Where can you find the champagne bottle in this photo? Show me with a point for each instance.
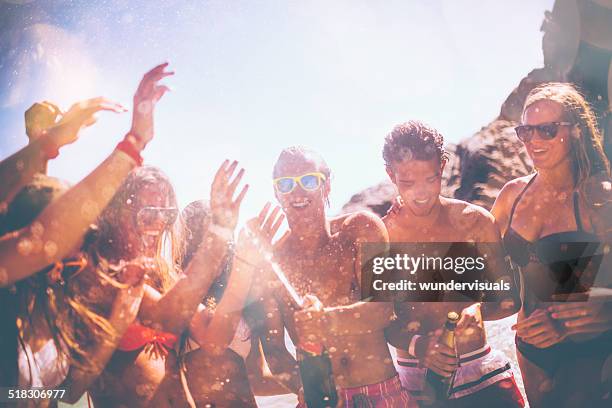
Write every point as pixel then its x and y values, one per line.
pixel 317 377
pixel 443 385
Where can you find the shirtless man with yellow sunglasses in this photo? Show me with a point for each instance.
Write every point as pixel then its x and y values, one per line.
pixel 325 268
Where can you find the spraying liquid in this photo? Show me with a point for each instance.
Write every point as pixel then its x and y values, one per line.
pixel 313 360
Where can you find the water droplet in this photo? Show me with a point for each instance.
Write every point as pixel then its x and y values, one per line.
pixel 3 276
pixel 24 246
pixel 89 208
pixel 546 386
pixel 37 229
pixel 142 390
pixel 507 304
pixel 50 249
pixel 413 326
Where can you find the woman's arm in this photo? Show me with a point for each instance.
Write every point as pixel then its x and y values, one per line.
pixel 219 331
pixel 18 170
pixel 174 310
pixel 66 219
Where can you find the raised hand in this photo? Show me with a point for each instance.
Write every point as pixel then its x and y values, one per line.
pixel 224 208
pixel 80 115
pixel 40 116
pixel 255 240
pixel 266 224
pixel 148 93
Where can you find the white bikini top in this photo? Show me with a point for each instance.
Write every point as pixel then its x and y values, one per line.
pixel 47 368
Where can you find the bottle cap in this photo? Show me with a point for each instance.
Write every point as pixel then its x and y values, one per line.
pixel 453 317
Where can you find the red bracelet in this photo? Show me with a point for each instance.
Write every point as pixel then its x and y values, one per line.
pixel 135 136
pixel 129 149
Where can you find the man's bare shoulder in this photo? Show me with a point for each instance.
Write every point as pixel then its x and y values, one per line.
pixel 364 226
pixel 465 216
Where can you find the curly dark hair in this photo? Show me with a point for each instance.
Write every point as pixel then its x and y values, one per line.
pixel 414 140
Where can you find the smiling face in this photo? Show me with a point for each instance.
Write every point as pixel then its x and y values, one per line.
pixel 152 210
pixel 547 154
pixel 418 182
pixel 300 205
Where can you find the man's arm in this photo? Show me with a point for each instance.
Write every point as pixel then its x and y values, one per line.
pixel 370 237
pixel 498 268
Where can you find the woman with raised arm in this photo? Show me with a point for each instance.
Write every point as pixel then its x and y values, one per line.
pixel 556 224
pixel 51 337
pixel 63 223
pixel 146 368
pixel 224 335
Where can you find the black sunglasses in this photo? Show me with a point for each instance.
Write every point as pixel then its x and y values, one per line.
pixel 546 131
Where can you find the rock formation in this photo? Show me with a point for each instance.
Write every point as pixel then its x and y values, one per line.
pixel 482 163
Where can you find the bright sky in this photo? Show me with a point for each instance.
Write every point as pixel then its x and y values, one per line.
pixel 253 77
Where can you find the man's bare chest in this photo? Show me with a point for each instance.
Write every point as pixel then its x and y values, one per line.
pixel 329 274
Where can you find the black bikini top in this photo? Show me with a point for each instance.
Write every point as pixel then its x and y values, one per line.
pixel 565 255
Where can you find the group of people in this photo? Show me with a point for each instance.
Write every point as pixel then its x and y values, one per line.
pixel 109 289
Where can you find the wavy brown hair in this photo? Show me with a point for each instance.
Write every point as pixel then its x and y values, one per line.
pixel 69 319
pixel 587 154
